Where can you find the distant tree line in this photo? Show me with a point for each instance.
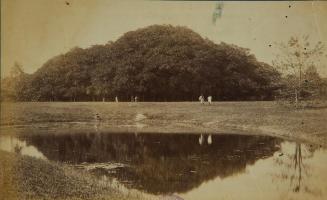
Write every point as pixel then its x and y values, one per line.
pixel 156 63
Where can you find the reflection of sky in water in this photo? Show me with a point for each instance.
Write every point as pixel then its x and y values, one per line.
pixel 277 177
pixel 12 144
pixel 295 171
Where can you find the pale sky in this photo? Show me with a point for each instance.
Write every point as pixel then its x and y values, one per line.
pixel 32 31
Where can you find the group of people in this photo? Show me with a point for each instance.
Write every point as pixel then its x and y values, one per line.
pixel 202 99
pixel 133 99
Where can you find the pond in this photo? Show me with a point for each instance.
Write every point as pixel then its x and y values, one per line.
pixel 189 166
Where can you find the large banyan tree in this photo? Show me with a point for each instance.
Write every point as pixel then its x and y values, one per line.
pixel 156 63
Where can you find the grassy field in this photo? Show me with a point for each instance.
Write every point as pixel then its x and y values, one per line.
pixel 24 177
pixel 221 117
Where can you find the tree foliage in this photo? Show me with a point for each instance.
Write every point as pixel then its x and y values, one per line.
pixel 297 61
pixel 156 63
pixel 14 87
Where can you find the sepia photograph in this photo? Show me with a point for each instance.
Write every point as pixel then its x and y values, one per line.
pixel 163 100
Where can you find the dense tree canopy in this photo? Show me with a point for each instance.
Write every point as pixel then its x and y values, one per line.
pixel 156 63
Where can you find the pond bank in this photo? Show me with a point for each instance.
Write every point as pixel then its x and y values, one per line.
pixel 268 118
pixel 24 177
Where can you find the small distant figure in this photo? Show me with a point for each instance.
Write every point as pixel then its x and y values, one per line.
pixel 132 98
pixel 116 99
pixel 201 99
pixel 136 98
pixel 209 139
pixel 97 117
pixel 209 99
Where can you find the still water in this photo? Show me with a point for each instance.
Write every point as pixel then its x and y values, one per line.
pixel 189 166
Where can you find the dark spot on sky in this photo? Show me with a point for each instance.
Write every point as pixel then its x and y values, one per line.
pixel 302 122
pixel 289 6
pixel 305 48
pixel 67 3
pixel 286 16
pixel 269 45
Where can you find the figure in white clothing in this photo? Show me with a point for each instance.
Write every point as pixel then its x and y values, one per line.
pixel 201 99
pixel 209 99
pixel 116 99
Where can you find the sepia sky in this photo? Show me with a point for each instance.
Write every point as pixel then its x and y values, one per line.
pixel 32 31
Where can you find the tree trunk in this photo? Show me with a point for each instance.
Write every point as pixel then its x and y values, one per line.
pixel 296 98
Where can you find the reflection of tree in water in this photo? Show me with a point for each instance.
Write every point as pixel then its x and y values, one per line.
pixel 159 163
pixel 296 171
pixel 298 167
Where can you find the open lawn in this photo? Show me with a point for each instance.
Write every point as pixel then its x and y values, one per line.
pixel 269 118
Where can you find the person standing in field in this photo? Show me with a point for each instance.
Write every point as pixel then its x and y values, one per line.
pixel 201 99
pixel 116 99
pixel 209 99
pixel 136 98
